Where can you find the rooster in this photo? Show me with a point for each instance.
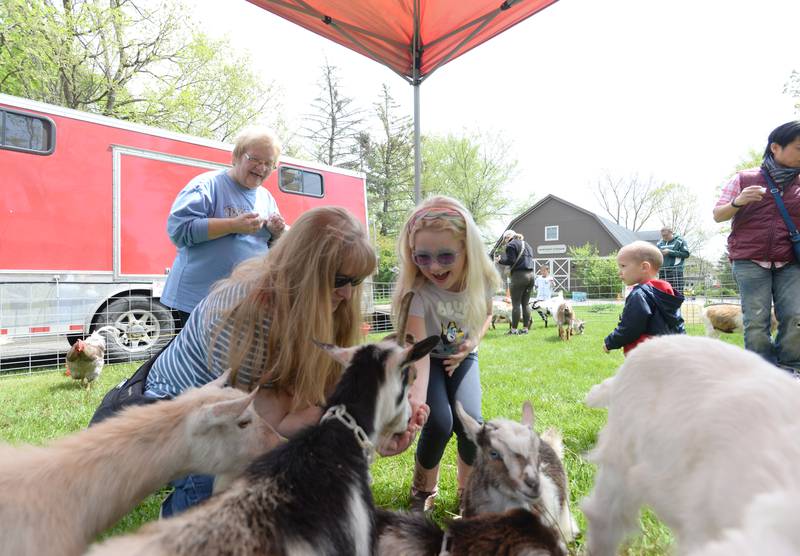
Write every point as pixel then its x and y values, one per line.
pixel 85 358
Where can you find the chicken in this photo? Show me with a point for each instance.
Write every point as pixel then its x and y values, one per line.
pixel 85 358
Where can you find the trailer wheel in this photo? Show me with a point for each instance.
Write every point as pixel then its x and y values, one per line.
pixel 144 326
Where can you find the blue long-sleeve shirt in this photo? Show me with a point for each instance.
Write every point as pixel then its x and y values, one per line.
pixel 200 261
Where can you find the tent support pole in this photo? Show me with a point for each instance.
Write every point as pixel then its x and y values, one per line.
pixel 417 149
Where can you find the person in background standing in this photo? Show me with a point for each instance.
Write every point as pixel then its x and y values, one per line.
pixel 222 218
pixel 763 262
pixel 675 252
pixel 544 284
pixel 518 258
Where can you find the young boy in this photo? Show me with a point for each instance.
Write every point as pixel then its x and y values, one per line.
pixel 652 308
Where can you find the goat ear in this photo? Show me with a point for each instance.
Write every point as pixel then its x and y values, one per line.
pixel 231 409
pixel 221 381
pixel 471 426
pixel 342 355
pixel 528 417
pixel 420 349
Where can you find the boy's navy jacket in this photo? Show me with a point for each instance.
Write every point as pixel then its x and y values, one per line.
pixel 648 312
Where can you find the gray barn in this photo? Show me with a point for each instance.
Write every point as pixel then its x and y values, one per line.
pixel 553 225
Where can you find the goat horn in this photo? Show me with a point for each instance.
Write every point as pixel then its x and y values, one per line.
pixel 402 318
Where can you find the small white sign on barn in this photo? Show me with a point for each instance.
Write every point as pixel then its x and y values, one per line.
pixel 551 249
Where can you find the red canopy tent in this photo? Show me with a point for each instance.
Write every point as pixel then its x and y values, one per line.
pixel 412 37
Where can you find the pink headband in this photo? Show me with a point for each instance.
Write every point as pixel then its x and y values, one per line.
pixel 435 213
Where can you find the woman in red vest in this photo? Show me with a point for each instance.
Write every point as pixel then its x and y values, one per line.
pixel 764 264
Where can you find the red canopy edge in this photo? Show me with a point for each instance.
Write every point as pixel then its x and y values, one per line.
pixel 385 30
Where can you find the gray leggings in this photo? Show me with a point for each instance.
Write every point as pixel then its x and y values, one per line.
pixel 443 391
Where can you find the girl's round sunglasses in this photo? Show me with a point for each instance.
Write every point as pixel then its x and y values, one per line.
pixel 444 258
pixel 340 281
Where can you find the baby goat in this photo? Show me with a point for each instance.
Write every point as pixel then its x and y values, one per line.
pixel 727 318
pixel 565 317
pixel 697 428
pixel 513 533
pixel 312 494
pixel 515 468
pixel 56 499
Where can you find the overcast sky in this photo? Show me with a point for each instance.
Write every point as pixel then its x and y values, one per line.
pixel 679 90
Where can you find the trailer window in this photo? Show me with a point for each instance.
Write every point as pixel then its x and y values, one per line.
pixel 295 180
pixel 26 132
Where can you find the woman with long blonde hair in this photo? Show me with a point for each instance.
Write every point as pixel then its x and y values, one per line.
pixel 442 260
pixel 261 321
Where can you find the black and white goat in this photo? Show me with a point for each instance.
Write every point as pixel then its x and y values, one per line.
pixel 311 495
pixel 515 468
pixel 513 533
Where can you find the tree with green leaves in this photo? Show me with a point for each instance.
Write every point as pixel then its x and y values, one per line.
pixel 127 59
pixel 332 129
pixel 390 168
pixel 597 276
pixel 472 168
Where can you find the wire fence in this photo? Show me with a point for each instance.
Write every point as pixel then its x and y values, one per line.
pixel 39 321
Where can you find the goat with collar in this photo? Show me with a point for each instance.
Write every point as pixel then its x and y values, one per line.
pixel 311 495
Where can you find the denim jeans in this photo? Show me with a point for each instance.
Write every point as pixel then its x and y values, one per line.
pixel 761 287
pixel 189 491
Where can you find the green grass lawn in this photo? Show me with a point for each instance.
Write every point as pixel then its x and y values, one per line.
pixel 554 375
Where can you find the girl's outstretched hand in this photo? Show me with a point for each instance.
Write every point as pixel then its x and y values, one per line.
pixel 398 443
pixel 465 348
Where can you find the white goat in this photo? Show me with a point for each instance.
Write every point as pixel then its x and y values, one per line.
pixel 727 318
pixel 515 532
pixel 697 428
pixel 770 528
pixel 56 499
pixel 501 311
pixel 515 468
pixel 312 494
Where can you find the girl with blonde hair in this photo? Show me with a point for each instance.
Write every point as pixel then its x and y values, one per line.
pixel 442 260
pixel 261 321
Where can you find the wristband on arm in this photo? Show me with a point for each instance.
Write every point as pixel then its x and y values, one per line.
pixel 734 205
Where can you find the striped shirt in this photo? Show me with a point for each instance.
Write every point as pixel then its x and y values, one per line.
pixel 184 363
pixel 729 192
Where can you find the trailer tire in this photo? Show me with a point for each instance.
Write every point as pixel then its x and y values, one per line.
pixel 144 325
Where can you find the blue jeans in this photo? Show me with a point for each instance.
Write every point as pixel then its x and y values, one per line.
pixel 760 288
pixel 189 491
pixel 463 385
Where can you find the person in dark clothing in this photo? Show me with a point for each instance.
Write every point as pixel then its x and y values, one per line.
pixel 675 252
pixel 518 257
pixel 651 308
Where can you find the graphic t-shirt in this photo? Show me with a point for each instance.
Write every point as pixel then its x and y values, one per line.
pixel 444 313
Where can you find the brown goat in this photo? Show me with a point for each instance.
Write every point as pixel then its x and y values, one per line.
pixel 727 318
pixel 565 315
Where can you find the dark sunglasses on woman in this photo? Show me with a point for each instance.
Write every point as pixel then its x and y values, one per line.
pixel 340 281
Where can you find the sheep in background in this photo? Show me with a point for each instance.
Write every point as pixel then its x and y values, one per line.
pixel 501 311
pixel 727 317
pixel 56 499
pixel 513 533
pixel 697 428
pixel 312 494
pixel 770 527
pixel 515 468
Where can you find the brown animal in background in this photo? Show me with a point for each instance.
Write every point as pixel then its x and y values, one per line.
pixel 727 318
pixel 565 315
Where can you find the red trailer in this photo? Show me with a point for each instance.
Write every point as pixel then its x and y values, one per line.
pixel 84 201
